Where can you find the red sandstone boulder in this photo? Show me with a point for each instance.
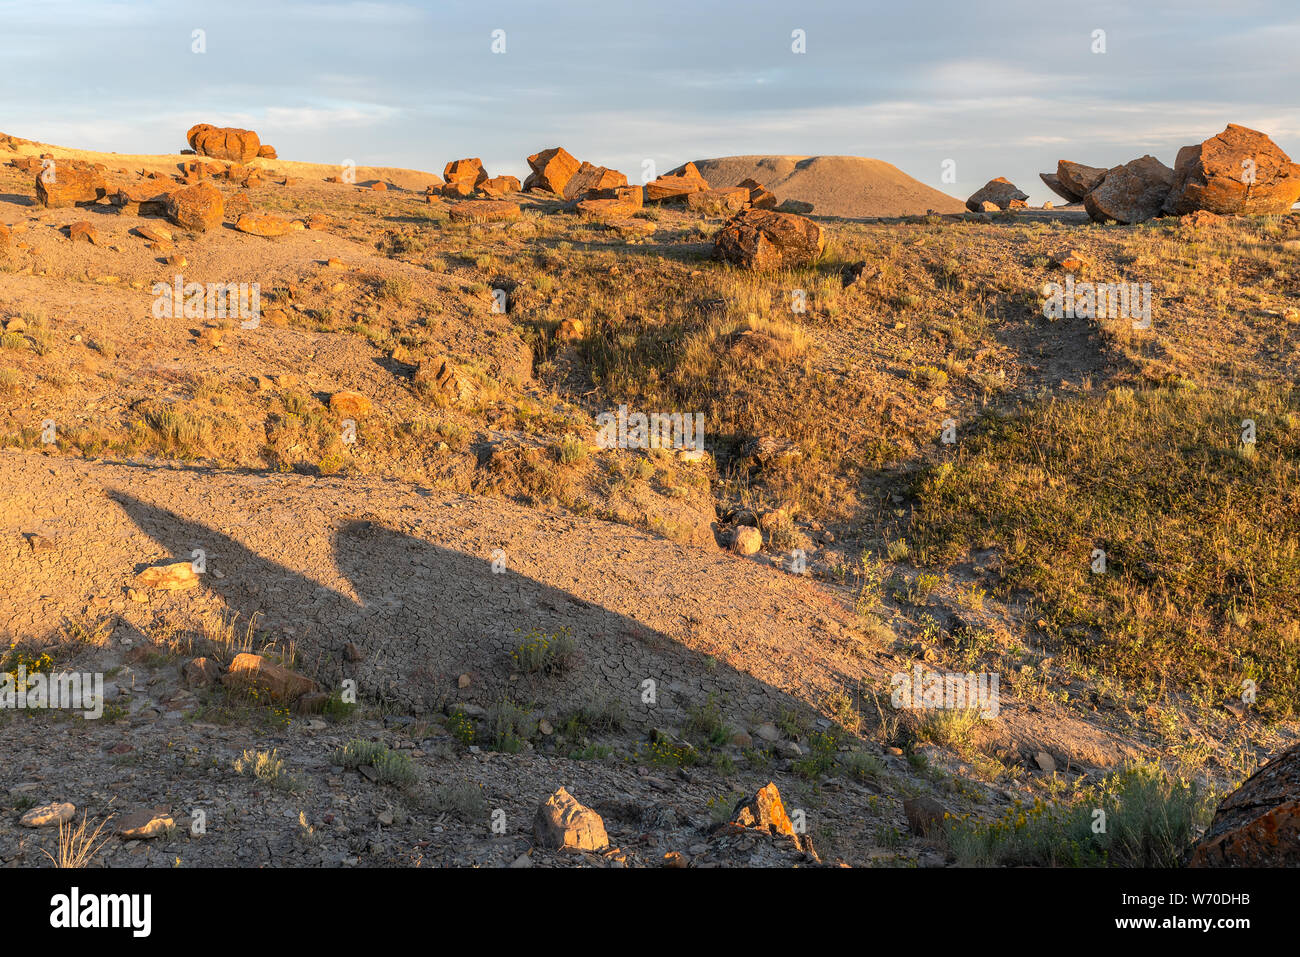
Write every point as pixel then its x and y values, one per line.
pixel 731 200
pixel 588 178
pixel 551 170
pixel 464 173
pixel 1257 825
pixel 63 184
pixel 765 239
pixel 198 207
pixel 1131 193
pixel 224 142
pixel 1239 171
pixel 1077 180
pixel 1001 192
pixel 499 186
pixel 676 185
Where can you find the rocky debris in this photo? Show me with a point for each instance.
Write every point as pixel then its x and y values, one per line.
pixel 714 200
pixel 859 275
pixel 765 811
pixel 588 178
pixel 83 232
pixel 1077 180
pixel 615 203
pixel 263 224
pixel 155 234
pixel 765 239
pixel 266 151
pixel 483 210
pixel 174 576
pixel 463 177
pixel 65 184
pixel 238 205
pixel 224 142
pixel 145 824
pixel 440 374
pixel 561 823
pixel 248 670
pixel 48 815
pixel 142 199
pixel 1238 171
pixel 925 815
pixel 200 672
pixel 198 207
pixel 629 228
pixel 551 170
pixel 1131 193
pixel 760 197
pixel 1001 192
pixel 348 404
pixel 1257 825
pixel 677 185
pixel 1070 262
pixel 499 186
pixel 746 540
pixel 4 236
pixel 1201 218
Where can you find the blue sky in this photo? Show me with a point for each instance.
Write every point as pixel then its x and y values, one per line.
pixel 1001 88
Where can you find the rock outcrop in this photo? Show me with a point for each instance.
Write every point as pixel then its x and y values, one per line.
pixel 1001 192
pixel 1240 171
pixel 765 239
pixel 1131 193
pixel 1257 825
pixel 224 142
pixel 551 170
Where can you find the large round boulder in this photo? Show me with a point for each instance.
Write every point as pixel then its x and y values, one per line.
pixel 1240 171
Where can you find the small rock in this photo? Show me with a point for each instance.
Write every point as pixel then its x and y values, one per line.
pixel 562 823
pixel 48 815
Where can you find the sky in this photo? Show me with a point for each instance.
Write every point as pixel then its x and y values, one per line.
pixel 997 88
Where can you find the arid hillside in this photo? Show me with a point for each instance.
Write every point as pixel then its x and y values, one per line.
pixel 366 578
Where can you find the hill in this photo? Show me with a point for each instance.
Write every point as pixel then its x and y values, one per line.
pixel 853 187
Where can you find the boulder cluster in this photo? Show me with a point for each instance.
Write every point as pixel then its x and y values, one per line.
pixel 227 143
pixel 1238 172
pixel 188 197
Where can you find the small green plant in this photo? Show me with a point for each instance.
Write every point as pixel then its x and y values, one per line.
pixel 705 723
pixel 1137 817
pixel 263 765
pixel 391 767
pixel 461 727
pixel 511 727
pixel 543 653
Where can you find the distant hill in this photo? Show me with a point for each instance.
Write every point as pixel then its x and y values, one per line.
pixel 849 186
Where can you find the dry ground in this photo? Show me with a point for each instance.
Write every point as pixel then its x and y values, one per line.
pixel 822 425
